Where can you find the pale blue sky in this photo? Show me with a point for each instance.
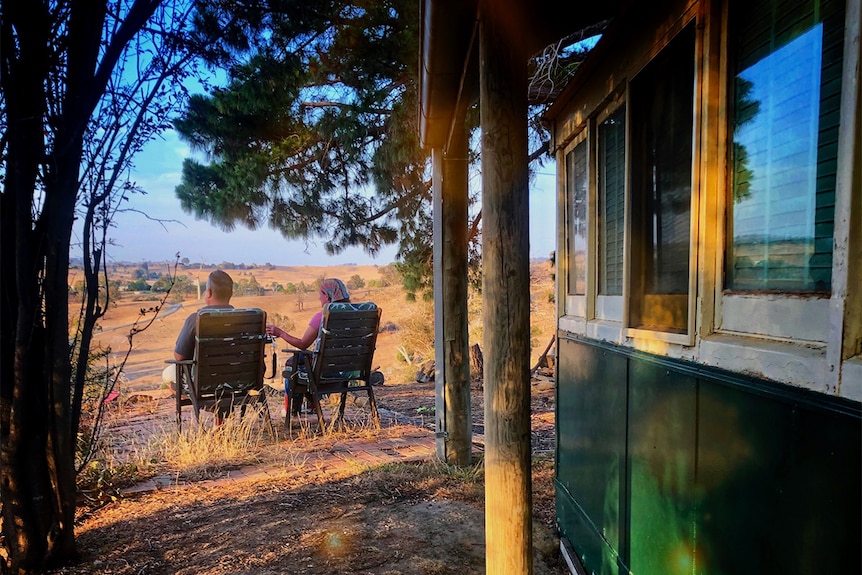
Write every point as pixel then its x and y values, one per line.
pixel 138 237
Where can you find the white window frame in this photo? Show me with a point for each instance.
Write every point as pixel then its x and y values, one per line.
pixel 576 305
pixel 797 338
pixel 610 308
pixel 787 317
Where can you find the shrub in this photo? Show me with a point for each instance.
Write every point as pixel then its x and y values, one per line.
pixel 139 284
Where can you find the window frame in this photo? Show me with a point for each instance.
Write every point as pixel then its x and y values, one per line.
pixel 610 308
pixel 792 316
pixel 576 304
pixel 688 338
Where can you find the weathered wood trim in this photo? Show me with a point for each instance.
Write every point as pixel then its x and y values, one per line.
pixel 845 335
pixel 606 72
pixel 561 257
pixel 592 218
pixel 698 184
pixel 718 174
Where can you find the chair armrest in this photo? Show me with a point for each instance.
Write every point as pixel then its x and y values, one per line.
pixel 301 357
pixel 300 354
pixel 295 351
pixel 183 378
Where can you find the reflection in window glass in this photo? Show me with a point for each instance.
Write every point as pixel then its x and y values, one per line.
pixel 576 192
pixel 611 201
pixel 662 120
pixel 786 94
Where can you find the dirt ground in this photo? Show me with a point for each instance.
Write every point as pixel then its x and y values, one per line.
pixel 403 518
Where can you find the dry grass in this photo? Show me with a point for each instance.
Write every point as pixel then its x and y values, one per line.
pixel 204 450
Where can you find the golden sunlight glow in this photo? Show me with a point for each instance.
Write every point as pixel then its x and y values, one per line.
pixel 681 559
pixel 337 543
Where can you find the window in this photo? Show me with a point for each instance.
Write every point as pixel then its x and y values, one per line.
pixel 611 201
pixel 576 194
pixel 785 97
pixel 662 121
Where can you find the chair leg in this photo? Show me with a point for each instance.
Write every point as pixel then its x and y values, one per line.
pixel 339 419
pixel 179 412
pixel 196 410
pixel 287 409
pixel 179 376
pixel 342 405
pixel 374 415
pixel 319 411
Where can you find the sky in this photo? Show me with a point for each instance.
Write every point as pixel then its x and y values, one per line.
pixel 137 236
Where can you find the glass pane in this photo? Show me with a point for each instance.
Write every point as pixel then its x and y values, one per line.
pixel 662 116
pixel 576 192
pixel 611 201
pixel 786 94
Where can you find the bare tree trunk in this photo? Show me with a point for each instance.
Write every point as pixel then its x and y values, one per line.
pixel 39 491
pixel 37 207
pixel 29 528
pixel 477 362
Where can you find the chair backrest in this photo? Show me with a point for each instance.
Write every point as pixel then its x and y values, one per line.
pixel 229 351
pixel 348 337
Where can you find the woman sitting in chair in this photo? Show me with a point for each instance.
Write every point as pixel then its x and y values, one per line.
pixel 332 290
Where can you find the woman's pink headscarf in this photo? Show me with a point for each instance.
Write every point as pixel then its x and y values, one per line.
pixel 335 290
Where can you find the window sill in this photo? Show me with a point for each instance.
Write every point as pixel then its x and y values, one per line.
pixel 573 324
pixel 661 337
pixel 602 330
pixel 777 316
pixel 793 363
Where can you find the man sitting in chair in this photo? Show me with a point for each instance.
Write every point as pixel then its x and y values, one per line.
pixel 217 296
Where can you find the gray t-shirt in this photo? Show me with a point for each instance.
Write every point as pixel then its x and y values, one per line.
pixel 185 345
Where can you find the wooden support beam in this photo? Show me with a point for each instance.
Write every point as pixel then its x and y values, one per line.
pixel 451 343
pixel 506 290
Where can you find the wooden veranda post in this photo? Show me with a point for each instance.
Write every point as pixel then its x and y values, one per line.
pixel 505 285
pixel 452 377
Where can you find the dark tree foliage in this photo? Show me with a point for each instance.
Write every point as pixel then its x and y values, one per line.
pixel 314 132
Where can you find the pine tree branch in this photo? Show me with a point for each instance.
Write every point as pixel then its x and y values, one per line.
pixel 539 152
pixel 342 105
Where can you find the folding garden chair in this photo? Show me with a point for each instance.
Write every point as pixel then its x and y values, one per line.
pixel 341 360
pixel 228 367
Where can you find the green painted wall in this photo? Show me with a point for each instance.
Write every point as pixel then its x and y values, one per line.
pixel 667 467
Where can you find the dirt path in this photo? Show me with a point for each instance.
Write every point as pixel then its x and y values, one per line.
pixel 170 309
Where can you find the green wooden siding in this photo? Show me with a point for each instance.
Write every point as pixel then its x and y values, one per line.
pixel 665 466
